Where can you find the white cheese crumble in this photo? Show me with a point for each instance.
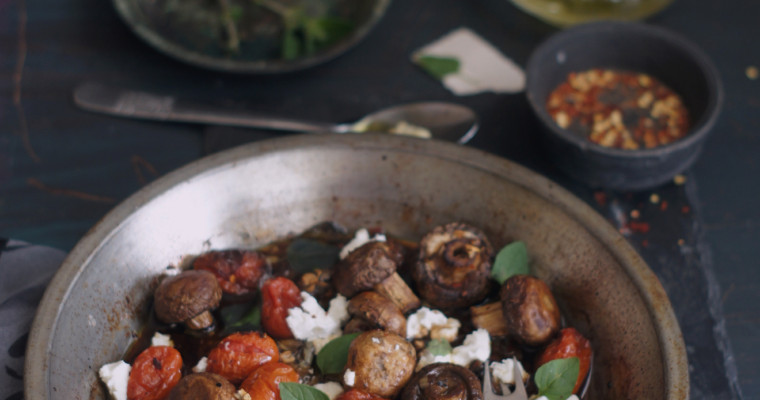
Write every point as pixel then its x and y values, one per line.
pixel 425 321
pixel 476 346
pixel 159 339
pixel 361 237
pixel 241 394
pixel 311 322
pixel 349 377
pixel 331 389
pixel 503 371
pixel 116 375
pixel 201 366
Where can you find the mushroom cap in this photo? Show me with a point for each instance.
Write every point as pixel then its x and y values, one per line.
pixel 203 386
pixel 443 381
pixel 366 266
pixel 378 311
pixel 382 362
pixel 184 296
pixel 529 309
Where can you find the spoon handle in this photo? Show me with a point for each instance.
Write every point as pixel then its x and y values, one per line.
pixel 135 104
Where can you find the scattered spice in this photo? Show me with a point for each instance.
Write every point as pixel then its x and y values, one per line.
pixel 620 109
pixel 681 242
pixel 639 227
pixel 635 214
pixel 663 205
pixel 654 198
pixel 685 209
pixel 601 198
pixel 679 179
pixel 752 72
pixel 645 243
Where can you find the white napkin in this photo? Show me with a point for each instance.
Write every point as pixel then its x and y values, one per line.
pixel 467 64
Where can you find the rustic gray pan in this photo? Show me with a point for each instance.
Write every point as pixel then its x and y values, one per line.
pixel 252 194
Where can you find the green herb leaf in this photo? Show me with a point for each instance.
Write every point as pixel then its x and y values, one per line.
pixel 306 255
pixel 438 347
pixel 297 391
pixel 241 317
pixel 438 67
pixel 332 358
pixel 556 379
pixel 511 260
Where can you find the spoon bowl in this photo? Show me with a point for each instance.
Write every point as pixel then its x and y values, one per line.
pixel 445 121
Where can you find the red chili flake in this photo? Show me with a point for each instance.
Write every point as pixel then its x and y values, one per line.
pixel 644 243
pixel 601 198
pixel 685 209
pixel 639 227
pixel 635 214
pixel 621 109
pixel 664 205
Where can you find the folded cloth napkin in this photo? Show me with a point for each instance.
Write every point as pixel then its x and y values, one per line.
pixel 25 270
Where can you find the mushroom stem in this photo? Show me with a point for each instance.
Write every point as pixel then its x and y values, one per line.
pixel 395 289
pixel 491 318
pixel 200 321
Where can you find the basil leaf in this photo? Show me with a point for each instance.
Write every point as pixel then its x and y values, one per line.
pixel 332 358
pixel 438 67
pixel 306 255
pixel 241 317
pixel 511 260
pixel 556 379
pixel 438 347
pixel 297 391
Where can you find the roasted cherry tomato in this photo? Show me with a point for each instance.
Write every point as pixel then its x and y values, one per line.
pixel 278 295
pixel 154 373
pixel 264 382
pixel 239 354
pixel 569 343
pixel 238 271
pixel 356 394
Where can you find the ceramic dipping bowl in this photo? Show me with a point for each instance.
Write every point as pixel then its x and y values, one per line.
pixel 628 46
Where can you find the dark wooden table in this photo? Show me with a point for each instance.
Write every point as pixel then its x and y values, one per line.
pixel 62 169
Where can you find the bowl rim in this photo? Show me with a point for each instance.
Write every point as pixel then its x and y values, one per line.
pixel 668 332
pixel 145 32
pixel 698 131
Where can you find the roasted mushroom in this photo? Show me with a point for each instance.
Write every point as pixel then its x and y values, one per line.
pixel 373 266
pixel 443 381
pixel 530 310
pixel 454 266
pixel 380 363
pixel 375 311
pixel 188 297
pixel 203 386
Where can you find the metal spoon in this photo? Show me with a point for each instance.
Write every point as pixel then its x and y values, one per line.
pixel 445 121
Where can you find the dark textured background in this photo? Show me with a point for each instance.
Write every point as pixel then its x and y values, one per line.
pixel 62 169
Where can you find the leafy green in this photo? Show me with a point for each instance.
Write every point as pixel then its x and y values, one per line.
pixel 511 260
pixel 332 358
pixel 438 347
pixel 556 379
pixel 306 255
pixel 438 67
pixel 241 317
pixel 297 391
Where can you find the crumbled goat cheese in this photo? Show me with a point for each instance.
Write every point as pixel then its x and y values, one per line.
pixel 310 321
pixel 476 346
pixel 349 378
pixel 331 389
pixel 503 371
pixel 425 321
pixel 241 394
pixel 201 366
pixel 360 238
pixel 116 375
pixel 427 358
pixel 159 339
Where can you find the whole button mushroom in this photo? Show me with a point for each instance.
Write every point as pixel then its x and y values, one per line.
pixel 530 311
pixel 370 309
pixel 203 386
pixel 188 297
pixel 443 381
pixel 382 362
pixel 372 266
pixel 454 266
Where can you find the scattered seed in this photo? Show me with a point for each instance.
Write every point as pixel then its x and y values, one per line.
pixel 752 72
pixel 679 179
pixel 635 214
pixel 654 198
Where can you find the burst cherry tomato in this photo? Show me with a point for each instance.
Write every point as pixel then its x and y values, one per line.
pixel 154 373
pixel 356 394
pixel 569 343
pixel 237 271
pixel 278 295
pixel 264 382
pixel 239 354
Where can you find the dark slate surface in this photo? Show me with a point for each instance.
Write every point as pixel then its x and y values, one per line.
pixel 62 169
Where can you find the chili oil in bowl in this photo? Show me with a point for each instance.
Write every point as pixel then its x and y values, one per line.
pixel 623 105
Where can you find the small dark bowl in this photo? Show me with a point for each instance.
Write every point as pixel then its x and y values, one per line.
pixel 666 56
